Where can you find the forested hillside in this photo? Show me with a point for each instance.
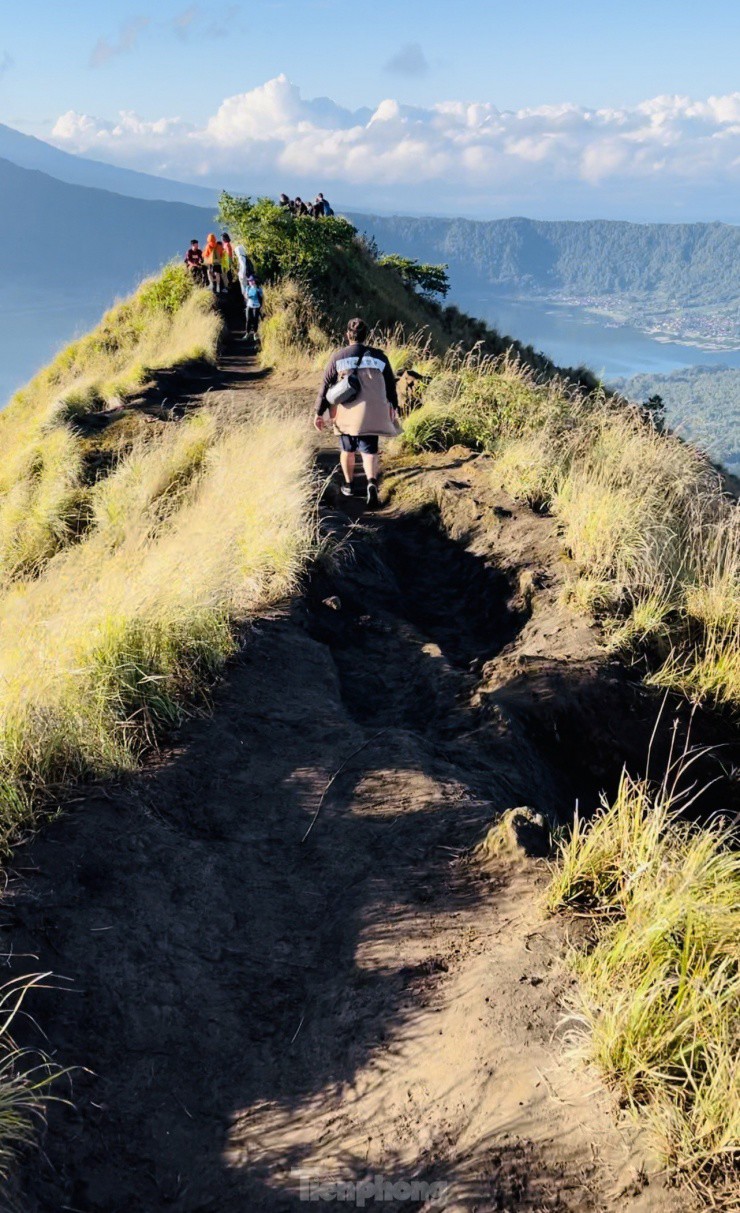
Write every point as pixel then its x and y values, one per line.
pixel 702 403
pixel 690 263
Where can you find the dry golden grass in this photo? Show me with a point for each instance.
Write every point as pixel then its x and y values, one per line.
pixel 44 499
pixel 659 989
pixel 653 540
pixel 292 334
pixel 203 527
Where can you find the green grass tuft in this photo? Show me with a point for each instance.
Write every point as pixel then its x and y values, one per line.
pixel 659 987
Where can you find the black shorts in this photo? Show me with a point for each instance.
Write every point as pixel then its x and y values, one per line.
pixel 366 444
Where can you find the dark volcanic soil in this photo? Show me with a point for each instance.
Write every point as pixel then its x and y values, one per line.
pixel 250 1004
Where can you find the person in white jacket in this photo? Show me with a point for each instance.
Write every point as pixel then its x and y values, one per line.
pixel 244 268
pixel 244 271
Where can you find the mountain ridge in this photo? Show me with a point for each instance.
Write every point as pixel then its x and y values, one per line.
pixel 26 151
pixel 31 200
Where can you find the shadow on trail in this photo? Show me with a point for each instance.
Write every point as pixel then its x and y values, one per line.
pixel 227 977
pixel 212 954
pixel 173 392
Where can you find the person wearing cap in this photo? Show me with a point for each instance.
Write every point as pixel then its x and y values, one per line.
pixel 194 263
pixel 254 299
pixel 372 412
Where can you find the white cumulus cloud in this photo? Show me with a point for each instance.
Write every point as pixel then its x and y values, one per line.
pixel 271 137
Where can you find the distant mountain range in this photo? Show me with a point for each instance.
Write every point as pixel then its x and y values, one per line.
pixel 72 237
pixel 27 152
pixel 70 251
pixel 675 279
pixel 78 233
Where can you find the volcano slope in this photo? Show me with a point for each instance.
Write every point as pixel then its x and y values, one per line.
pixel 291 947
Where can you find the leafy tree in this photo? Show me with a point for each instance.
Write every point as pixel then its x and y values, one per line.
pixel 654 411
pixel 429 279
pixel 281 244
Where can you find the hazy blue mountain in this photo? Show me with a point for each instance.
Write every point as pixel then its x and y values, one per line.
pixel 69 252
pixel 57 235
pixel 28 152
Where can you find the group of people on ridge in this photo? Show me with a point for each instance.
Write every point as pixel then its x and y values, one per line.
pixel 219 266
pixel 316 209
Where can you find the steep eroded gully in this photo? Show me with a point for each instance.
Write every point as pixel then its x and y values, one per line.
pixel 253 1001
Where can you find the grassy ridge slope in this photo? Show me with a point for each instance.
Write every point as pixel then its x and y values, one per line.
pixel 123 596
pixel 45 480
pixel 128 553
pixel 653 539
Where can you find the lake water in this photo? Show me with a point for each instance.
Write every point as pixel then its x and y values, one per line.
pixel 571 336
pixel 30 335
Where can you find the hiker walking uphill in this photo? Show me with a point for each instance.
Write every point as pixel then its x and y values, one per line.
pixel 254 299
pixel 212 256
pixel 359 393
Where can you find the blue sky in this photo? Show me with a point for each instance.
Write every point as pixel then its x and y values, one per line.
pixel 180 60
pixel 592 53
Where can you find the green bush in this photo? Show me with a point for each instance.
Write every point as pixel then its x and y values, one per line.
pixel 431 428
pixel 280 244
pixel 168 291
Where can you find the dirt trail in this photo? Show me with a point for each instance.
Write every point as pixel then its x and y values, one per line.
pixel 373 1000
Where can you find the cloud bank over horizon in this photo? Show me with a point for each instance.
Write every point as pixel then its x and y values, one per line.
pixel 668 157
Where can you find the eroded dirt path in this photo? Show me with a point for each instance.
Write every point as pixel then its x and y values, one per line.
pixel 254 1005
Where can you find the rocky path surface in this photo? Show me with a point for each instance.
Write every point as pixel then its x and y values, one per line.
pixel 284 957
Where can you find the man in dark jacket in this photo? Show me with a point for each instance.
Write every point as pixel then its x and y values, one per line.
pixel 194 262
pixel 321 207
pixel 376 408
